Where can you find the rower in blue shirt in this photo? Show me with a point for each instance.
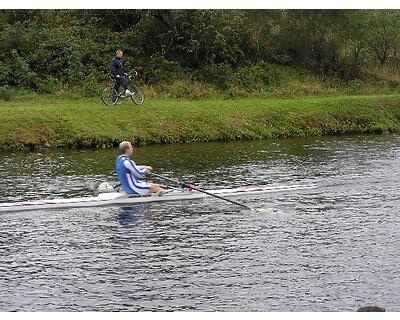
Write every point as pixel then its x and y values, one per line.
pixel 129 173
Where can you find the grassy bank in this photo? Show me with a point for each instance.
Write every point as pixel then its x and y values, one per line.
pixel 54 121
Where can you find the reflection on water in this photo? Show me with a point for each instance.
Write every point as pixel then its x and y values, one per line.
pixel 333 248
pixel 129 217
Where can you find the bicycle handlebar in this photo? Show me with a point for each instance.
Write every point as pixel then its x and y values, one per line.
pixel 135 74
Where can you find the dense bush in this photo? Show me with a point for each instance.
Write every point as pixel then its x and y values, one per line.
pixel 6 93
pixel 230 51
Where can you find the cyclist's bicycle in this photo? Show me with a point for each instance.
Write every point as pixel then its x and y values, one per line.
pixel 111 96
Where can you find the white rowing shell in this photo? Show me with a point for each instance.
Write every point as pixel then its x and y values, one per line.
pixel 117 198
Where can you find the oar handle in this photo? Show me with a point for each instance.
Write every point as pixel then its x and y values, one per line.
pixel 184 184
pixel 168 179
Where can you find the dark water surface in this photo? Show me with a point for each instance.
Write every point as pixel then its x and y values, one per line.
pixel 333 248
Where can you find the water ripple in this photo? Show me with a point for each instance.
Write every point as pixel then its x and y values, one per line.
pixel 334 248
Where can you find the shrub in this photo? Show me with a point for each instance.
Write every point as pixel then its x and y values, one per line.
pixel 355 85
pixel 220 75
pixel 89 86
pixel 6 93
pixel 47 85
pixel 257 76
pixel 4 73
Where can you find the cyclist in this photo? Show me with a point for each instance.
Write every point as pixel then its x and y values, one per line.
pixel 117 71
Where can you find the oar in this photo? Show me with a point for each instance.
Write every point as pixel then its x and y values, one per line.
pixel 186 185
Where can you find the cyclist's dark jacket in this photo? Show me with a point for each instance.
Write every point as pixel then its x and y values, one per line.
pixel 116 67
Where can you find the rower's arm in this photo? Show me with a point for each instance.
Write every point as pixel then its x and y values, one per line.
pixel 137 171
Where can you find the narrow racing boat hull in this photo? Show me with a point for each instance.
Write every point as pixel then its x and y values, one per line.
pixel 116 198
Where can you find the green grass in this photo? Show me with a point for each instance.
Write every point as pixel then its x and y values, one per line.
pixel 54 121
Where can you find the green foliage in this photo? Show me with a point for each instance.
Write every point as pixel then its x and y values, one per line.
pixel 383 33
pixel 264 74
pixel 6 93
pixel 355 85
pixel 236 52
pixel 4 73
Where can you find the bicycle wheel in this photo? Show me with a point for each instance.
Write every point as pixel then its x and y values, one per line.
pixel 137 95
pixel 109 96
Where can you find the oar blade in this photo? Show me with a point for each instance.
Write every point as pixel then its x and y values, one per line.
pixel 266 211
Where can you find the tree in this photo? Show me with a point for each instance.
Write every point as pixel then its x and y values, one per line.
pixel 383 30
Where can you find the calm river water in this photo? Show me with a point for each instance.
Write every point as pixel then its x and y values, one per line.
pixel 333 248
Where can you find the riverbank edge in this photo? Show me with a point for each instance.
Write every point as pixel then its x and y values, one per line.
pixel 49 122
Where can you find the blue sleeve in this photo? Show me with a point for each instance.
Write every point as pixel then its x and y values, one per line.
pixel 137 171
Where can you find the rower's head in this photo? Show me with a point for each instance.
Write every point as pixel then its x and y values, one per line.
pixel 126 148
